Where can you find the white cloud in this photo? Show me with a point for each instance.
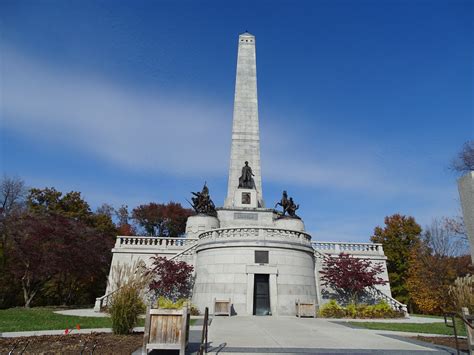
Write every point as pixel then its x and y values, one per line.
pixel 161 132
pixel 138 130
pixel 180 135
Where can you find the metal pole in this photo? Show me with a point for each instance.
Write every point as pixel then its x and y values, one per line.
pixel 455 332
pixel 207 328
pixel 452 315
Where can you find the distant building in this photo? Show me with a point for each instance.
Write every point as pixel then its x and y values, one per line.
pixel 466 192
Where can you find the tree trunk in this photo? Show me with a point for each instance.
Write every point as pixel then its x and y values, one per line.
pixel 28 291
pixel 25 282
pixel 28 297
pixel 27 302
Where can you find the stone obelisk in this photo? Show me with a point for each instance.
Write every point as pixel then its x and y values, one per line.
pixel 245 128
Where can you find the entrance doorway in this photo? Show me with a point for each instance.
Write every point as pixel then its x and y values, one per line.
pixel 261 295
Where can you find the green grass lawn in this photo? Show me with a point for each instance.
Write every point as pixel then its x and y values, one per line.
pixel 433 328
pixel 22 319
pixel 425 316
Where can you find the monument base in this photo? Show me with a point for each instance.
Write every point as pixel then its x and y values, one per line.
pixel 290 223
pixel 232 262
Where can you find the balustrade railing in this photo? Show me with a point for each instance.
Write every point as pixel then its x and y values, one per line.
pixel 327 252
pixel 256 233
pixel 349 248
pixel 190 250
pixel 396 305
pixel 154 242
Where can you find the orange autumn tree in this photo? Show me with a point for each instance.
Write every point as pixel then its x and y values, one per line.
pixel 427 290
pixel 433 266
pixel 399 236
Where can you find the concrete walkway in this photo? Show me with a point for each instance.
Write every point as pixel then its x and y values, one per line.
pixel 417 320
pixel 308 335
pixel 82 312
pixel 285 335
pixel 89 312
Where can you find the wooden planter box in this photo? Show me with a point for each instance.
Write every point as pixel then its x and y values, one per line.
pixel 222 307
pixel 166 329
pixel 305 309
pixel 470 332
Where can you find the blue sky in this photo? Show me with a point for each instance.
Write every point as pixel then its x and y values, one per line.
pixel 362 104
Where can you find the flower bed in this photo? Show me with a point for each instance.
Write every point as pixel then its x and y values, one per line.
pixel 380 310
pixel 74 343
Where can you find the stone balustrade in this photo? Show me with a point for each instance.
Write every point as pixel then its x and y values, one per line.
pixel 153 242
pixel 392 302
pixel 189 251
pixel 348 248
pixel 256 233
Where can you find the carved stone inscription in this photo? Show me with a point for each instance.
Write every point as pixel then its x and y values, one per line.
pixel 250 216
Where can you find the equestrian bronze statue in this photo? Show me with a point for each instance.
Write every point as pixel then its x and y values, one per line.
pixel 202 202
pixel 288 206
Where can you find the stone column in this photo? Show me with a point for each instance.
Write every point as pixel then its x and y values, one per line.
pixel 250 287
pixel 245 127
pixel 273 294
pixel 466 192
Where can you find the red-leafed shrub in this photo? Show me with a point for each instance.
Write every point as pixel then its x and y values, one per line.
pixel 170 279
pixel 349 276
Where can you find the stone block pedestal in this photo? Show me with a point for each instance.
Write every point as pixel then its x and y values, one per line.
pixel 246 198
pixel 200 223
pixel 289 223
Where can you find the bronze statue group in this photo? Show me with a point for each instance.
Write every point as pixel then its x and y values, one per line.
pixel 202 202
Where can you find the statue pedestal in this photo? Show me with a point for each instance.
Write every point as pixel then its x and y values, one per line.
pixel 289 223
pixel 246 198
pixel 200 223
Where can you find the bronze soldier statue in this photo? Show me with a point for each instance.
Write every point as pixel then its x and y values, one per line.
pixel 292 207
pixel 202 202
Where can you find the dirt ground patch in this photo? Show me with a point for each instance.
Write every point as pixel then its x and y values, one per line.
pixel 445 341
pixel 73 343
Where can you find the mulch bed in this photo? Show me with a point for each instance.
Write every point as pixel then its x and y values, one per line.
pixel 445 341
pixel 105 343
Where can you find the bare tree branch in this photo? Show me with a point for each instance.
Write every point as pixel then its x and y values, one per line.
pixel 464 162
pixel 12 194
pixel 444 237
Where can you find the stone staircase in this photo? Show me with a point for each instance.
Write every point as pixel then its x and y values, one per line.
pixel 362 248
pixel 186 253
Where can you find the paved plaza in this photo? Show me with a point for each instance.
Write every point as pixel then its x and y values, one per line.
pixel 291 335
pixel 287 335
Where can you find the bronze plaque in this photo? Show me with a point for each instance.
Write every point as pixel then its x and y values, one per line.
pixel 246 198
